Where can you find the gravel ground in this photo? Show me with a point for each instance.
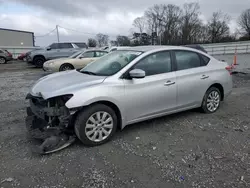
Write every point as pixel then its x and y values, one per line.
pixel 188 149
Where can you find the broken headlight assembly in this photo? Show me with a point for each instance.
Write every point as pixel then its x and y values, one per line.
pixel 49 121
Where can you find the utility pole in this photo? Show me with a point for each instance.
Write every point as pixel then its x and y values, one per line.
pixel 58 40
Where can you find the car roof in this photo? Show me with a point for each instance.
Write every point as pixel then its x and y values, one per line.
pixel 155 47
pixel 95 50
pixel 196 46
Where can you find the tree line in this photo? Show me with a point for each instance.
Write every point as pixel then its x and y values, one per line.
pixel 174 25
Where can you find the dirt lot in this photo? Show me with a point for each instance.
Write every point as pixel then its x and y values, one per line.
pixel 188 149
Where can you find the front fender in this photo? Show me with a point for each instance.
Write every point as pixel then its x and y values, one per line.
pixel 105 92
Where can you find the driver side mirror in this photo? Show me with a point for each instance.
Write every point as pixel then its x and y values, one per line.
pixel 48 48
pixel 137 73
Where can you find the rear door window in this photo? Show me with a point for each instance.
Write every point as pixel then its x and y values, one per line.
pixel 100 54
pixel 187 60
pixel 65 45
pixel 81 45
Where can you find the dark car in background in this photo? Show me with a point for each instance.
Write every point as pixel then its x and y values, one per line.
pixel 197 47
pixel 5 56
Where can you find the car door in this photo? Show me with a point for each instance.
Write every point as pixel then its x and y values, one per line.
pixel 53 51
pixel 84 59
pixel 65 49
pixel 192 78
pixel 156 93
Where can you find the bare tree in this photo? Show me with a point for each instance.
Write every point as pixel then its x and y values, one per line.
pixel 190 22
pixel 171 22
pixel 154 16
pixel 244 22
pixel 139 23
pixel 202 35
pixel 92 42
pixel 102 39
pixel 122 40
pixel 218 26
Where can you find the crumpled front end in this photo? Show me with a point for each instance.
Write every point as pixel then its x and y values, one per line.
pixel 51 122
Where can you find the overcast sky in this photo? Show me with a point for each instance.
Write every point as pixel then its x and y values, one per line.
pixel 111 17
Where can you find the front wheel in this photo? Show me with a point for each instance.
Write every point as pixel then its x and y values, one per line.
pixel 2 60
pixel 39 61
pixel 65 67
pixel 96 124
pixel 211 100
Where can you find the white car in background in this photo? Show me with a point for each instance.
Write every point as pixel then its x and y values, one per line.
pixel 78 60
pixel 114 48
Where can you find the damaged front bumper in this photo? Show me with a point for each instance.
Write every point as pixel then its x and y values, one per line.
pixel 50 121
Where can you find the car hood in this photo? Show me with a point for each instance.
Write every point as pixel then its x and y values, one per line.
pixel 41 50
pixel 63 83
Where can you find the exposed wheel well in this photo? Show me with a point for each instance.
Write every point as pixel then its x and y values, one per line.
pixel 220 87
pixel 36 56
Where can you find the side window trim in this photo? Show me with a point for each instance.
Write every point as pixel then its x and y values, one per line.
pixel 125 75
pixel 56 46
pixel 175 61
pixel 203 63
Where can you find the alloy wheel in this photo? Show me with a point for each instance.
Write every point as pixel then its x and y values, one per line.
pixel 2 60
pixel 99 126
pixel 65 68
pixel 213 101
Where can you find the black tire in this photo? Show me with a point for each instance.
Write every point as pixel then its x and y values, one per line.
pixel 81 122
pixel 66 66
pixel 39 61
pixel 204 106
pixel 3 60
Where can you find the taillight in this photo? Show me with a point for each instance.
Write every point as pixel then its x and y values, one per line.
pixel 229 69
pixel 9 54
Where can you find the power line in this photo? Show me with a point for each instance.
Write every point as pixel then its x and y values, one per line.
pixel 77 31
pixel 46 33
pixel 86 33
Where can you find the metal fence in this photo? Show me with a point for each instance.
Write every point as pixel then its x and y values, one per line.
pixel 228 48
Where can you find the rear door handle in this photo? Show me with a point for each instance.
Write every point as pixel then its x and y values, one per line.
pixel 169 83
pixel 204 77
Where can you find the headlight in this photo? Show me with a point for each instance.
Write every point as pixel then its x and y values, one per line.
pixel 51 63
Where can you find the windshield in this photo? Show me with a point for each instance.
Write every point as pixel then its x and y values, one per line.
pixel 111 63
pixel 75 54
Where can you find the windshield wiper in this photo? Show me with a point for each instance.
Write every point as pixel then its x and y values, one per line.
pixel 88 72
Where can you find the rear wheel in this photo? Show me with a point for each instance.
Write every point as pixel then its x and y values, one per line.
pixel 39 61
pixel 2 60
pixel 96 124
pixel 211 100
pixel 65 67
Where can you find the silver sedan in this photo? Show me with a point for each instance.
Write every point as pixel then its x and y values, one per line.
pixel 129 86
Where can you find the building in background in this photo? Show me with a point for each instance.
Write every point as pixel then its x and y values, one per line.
pixel 16 38
pixel 16 41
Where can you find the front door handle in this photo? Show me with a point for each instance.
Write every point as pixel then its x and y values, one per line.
pixel 169 83
pixel 204 77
